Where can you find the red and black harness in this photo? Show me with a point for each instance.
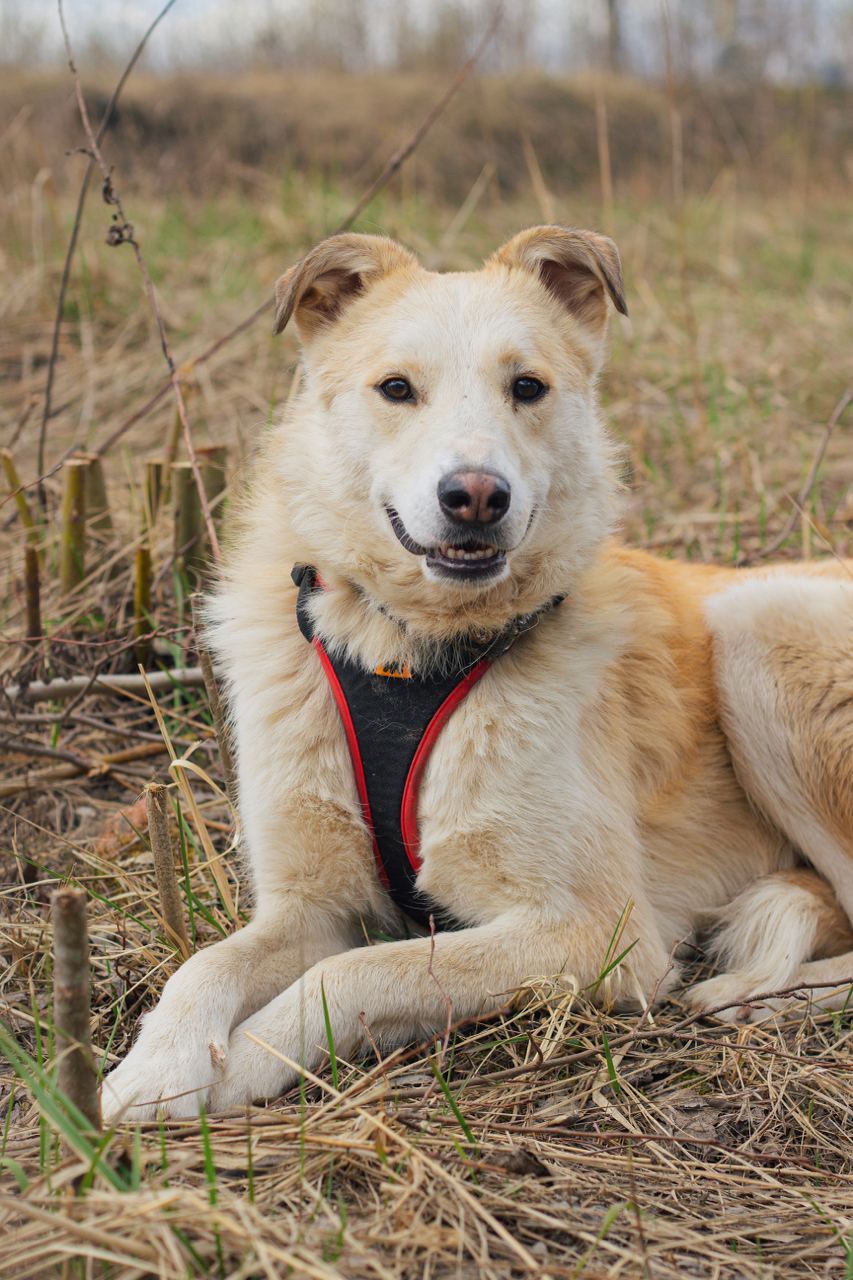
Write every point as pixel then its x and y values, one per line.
pixel 392 719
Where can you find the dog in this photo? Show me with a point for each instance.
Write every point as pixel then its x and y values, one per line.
pixel 636 748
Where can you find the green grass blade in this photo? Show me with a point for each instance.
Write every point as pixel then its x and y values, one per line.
pixel 330 1038
pixel 453 1104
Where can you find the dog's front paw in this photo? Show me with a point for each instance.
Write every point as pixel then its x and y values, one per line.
pixel 172 1078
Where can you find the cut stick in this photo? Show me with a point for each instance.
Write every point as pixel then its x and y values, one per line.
pixel 62 690
pixel 72 556
pixel 154 472
pixel 190 541
pixel 17 490
pixel 32 593
pixel 97 505
pixel 77 1074
pixel 142 604
pixel 157 811
pixel 213 859
pixel 213 461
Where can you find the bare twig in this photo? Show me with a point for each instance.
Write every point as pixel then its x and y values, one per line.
pixel 78 1078
pixel 394 163
pixel 157 812
pixel 399 157
pixel 122 232
pixel 645 1033
pixel 24 746
pixel 802 498
pixel 72 245
pixel 61 772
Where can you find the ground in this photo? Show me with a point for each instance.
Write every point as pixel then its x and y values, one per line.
pixel 553 1139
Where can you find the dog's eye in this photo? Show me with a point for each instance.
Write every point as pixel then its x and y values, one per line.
pixel 528 389
pixel 397 389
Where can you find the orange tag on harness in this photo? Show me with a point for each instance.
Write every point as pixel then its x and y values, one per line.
pixel 394 673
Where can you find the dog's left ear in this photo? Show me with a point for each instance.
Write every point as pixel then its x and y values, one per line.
pixel 335 271
pixel 581 268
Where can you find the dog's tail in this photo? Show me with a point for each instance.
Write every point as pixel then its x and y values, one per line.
pixel 775 925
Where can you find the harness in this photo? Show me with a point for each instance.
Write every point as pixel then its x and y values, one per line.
pixel 392 719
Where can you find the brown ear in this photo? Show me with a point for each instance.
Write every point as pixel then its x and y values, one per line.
pixel 582 269
pixel 317 289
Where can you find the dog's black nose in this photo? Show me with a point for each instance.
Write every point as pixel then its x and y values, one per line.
pixel 474 497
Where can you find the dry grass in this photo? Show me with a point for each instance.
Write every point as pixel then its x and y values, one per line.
pixel 555 1139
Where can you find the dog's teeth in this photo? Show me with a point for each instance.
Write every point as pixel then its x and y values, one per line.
pixel 467 553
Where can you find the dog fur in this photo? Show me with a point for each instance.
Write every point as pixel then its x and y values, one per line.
pixel 672 748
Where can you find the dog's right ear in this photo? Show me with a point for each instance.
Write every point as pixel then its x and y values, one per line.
pixel 316 290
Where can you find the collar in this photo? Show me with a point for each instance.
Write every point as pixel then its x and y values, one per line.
pixel 471 650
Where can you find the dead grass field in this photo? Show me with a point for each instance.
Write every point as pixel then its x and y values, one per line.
pixel 554 1140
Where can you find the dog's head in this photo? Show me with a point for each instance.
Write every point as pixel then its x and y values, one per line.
pixel 445 451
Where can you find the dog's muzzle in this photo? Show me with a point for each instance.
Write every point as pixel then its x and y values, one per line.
pixel 469 554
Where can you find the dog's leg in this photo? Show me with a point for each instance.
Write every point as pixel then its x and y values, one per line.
pixel 314 878
pixel 763 940
pixel 182 1044
pixel 402 990
pixel 783 657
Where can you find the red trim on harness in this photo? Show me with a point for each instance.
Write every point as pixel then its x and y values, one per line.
pixel 411 791
pixel 355 753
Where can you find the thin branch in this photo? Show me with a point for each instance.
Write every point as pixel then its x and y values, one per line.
pixel 72 245
pixel 17 745
pixel 121 232
pixel 395 162
pixel 59 690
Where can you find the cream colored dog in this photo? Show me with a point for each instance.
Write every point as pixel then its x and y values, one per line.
pixel 673 744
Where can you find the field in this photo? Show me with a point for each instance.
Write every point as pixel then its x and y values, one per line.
pixel 553 1139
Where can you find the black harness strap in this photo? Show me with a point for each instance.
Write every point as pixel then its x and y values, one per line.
pixel 392 719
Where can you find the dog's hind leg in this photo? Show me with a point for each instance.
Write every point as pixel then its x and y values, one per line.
pixel 783 656
pixel 763 940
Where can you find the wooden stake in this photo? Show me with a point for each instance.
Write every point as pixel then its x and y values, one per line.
pixel 157 810
pixel 142 603
pixel 15 487
pixel 32 592
pixel 189 545
pixel 220 721
pixel 78 1077
pixel 154 468
pixel 72 558
pixel 213 462
pixel 97 505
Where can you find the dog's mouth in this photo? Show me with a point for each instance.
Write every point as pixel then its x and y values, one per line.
pixel 466 558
